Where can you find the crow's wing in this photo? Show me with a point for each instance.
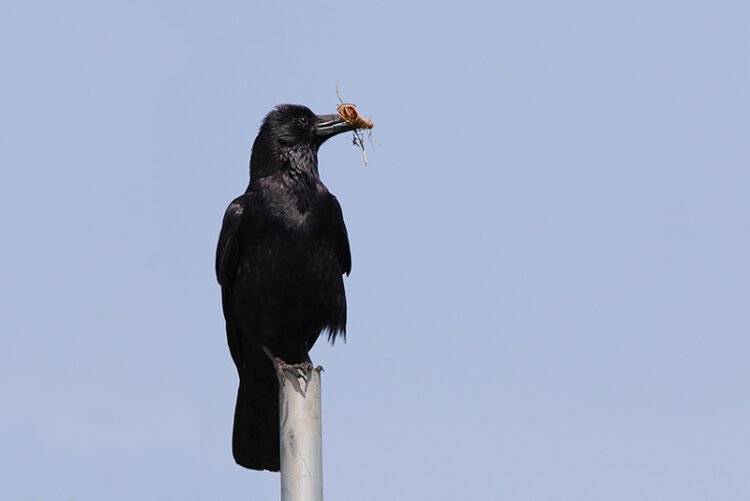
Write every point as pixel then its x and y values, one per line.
pixel 228 250
pixel 341 238
pixel 228 256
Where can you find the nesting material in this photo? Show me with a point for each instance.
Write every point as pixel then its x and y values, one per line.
pixel 349 114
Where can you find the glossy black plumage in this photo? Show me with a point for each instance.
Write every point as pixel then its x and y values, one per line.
pixel 282 251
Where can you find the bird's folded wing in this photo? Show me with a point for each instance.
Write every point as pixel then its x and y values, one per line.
pixel 341 237
pixel 228 249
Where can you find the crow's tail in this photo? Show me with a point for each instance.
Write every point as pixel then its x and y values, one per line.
pixel 255 440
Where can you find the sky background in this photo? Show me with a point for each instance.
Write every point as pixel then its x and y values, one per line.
pixel 550 297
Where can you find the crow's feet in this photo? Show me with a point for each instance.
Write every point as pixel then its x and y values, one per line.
pixel 299 370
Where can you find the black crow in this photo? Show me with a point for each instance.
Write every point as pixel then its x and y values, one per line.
pixel 282 253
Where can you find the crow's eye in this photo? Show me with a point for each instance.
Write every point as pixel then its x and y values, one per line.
pixel 302 121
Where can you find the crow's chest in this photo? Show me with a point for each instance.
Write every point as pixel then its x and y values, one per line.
pixel 290 259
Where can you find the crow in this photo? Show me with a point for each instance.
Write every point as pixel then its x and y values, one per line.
pixel 281 256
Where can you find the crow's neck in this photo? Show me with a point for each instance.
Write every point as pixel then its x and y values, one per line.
pixel 300 169
pixel 290 190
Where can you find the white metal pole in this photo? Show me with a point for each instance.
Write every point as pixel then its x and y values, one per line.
pixel 300 437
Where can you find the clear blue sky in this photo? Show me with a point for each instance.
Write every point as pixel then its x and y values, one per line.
pixel 550 297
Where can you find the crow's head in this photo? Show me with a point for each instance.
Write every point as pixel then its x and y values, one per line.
pixel 296 125
pixel 291 127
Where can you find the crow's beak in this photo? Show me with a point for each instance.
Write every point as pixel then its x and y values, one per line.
pixel 328 126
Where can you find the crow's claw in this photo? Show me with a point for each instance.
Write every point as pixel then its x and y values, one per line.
pixel 299 370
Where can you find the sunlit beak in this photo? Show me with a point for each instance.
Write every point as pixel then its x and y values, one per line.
pixel 328 126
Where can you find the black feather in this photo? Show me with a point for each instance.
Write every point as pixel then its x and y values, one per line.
pixel 282 251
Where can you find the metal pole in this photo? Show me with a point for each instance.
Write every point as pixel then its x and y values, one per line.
pixel 300 437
